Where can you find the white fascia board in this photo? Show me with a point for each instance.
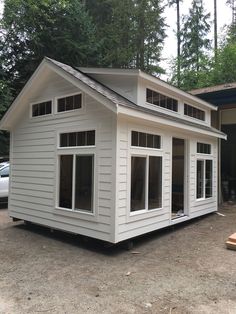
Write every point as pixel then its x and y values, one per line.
pixel 110 71
pixel 165 122
pixel 178 92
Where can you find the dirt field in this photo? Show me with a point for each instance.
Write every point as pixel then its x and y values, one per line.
pixel 181 270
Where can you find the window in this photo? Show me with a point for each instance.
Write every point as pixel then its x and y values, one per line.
pixel 42 109
pixel 194 112
pixel 85 138
pixel 146 183
pixel 203 148
pixel 145 140
pixel 4 173
pixel 69 103
pixel 161 100
pixel 76 194
pixel 204 178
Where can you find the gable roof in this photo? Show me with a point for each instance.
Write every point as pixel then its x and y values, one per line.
pixel 108 94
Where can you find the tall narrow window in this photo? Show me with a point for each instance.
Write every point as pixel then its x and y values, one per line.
pixel 155 182
pixel 208 186
pixel 200 178
pixel 138 174
pixel 66 174
pixel 84 182
pixel 204 178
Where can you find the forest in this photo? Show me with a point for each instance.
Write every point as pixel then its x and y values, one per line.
pixel 111 33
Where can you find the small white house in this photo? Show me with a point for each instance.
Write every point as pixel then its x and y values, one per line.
pixel 110 154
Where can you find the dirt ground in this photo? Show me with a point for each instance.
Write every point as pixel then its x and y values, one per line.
pixel 182 270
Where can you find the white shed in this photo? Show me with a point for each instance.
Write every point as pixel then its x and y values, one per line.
pixel 110 154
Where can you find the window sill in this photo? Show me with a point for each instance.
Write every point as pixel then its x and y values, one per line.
pixel 78 214
pixel 143 214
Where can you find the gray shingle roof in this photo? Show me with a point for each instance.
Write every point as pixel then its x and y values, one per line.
pixel 122 101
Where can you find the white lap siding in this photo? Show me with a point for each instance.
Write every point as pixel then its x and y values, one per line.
pixel 200 207
pixel 129 226
pixel 141 223
pixel 34 155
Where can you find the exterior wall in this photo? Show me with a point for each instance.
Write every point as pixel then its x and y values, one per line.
pixel 34 172
pixel 133 225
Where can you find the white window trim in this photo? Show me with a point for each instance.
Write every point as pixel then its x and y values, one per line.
pixel 146 148
pixel 39 102
pixel 69 130
pixel 204 154
pixel 143 152
pixel 68 95
pixel 76 150
pixel 204 158
pixel 193 118
pixel 165 110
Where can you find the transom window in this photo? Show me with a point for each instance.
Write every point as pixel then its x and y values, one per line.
pixel 194 112
pixel 42 108
pixel 204 178
pixel 145 140
pixel 146 183
pixel 76 183
pixel 203 148
pixel 161 100
pixel 72 139
pixel 69 103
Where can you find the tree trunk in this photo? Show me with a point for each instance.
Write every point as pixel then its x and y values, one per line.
pixel 215 30
pixel 178 43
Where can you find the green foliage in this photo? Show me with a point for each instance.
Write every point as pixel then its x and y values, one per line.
pixel 33 29
pixel 5 100
pixel 193 62
pixel 131 32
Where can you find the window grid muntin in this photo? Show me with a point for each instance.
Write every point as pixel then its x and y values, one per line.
pixel 146 140
pixel 203 148
pixel 161 100
pixel 42 108
pixel 77 139
pixel 194 112
pixel 69 103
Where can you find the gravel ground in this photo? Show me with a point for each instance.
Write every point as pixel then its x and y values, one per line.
pixel 185 269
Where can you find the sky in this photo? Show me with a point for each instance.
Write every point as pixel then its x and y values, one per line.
pixel 169 51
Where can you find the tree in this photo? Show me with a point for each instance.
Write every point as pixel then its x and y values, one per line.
pixel 195 44
pixel 132 32
pixel 215 31
pixel 33 29
pixel 177 2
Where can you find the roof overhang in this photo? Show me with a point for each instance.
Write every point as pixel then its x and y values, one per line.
pixel 208 131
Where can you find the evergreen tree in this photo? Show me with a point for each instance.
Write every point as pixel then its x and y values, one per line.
pixel 171 3
pixel 194 58
pixel 33 29
pixel 133 33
